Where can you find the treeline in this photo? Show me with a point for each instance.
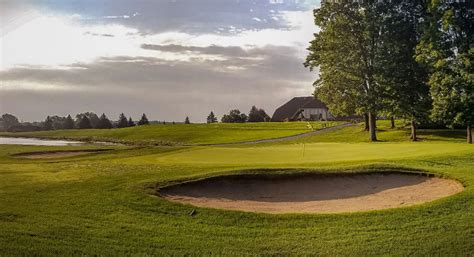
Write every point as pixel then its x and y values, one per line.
pixel 87 120
pixel 410 59
pixel 235 116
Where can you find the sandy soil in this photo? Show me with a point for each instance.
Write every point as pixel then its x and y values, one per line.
pixel 57 154
pixel 313 194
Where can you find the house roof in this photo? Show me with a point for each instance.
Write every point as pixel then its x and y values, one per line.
pixel 289 109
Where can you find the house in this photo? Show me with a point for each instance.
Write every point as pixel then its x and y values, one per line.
pixel 302 108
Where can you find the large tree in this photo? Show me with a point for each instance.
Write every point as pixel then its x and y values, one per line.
pixel 48 123
pixel 257 115
pixel 211 118
pixel 234 116
pixel 7 121
pixel 143 120
pixel 69 123
pixel 347 51
pixel 104 122
pixel 92 117
pixel 447 47
pixel 407 92
pixel 84 122
pixel 122 122
pixel 131 123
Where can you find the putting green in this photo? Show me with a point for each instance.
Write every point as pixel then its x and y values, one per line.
pixel 310 153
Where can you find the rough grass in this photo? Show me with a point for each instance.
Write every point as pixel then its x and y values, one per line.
pixel 192 134
pixel 104 204
pixel 356 134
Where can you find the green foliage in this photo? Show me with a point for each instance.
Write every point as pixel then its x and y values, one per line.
pixel 122 122
pixel 7 121
pixel 447 47
pixel 130 122
pixel 48 124
pixel 84 123
pixel 211 118
pixel 407 91
pixel 257 115
pixel 143 121
pixel 234 116
pixel 347 57
pixel 69 123
pixel 350 53
pixel 92 117
pixel 104 122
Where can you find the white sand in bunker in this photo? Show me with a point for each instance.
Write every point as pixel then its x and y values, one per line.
pixel 313 193
pixel 57 154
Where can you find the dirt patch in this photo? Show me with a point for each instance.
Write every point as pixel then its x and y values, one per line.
pixel 313 194
pixel 57 154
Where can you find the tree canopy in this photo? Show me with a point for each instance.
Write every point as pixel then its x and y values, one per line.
pixel 348 52
pixel 234 116
pixel 84 122
pixel 211 118
pixel 48 124
pixel 131 123
pixel 122 121
pixel 447 47
pixel 69 123
pixel 7 121
pixel 365 53
pixel 143 120
pixel 104 122
pixel 257 115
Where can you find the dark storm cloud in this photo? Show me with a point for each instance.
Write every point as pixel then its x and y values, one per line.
pixel 179 88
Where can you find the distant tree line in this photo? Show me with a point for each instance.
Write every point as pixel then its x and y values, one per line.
pixel 235 116
pixel 87 120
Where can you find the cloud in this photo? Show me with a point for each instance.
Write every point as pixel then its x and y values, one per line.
pixel 177 88
pixel 178 58
pixel 151 17
pixel 208 50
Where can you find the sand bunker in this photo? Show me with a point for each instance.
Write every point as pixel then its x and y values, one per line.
pixel 57 154
pixel 312 193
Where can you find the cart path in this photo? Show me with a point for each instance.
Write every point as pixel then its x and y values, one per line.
pixel 280 139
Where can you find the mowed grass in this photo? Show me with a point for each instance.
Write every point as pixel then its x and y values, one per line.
pixel 217 133
pixel 356 134
pixel 104 204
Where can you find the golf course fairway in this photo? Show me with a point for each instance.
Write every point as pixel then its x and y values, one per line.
pixel 107 202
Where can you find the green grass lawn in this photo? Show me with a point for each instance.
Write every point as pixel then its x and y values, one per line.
pixel 104 204
pixel 216 133
pixel 356 134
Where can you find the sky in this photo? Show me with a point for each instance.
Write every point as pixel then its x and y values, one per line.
pixel 166 58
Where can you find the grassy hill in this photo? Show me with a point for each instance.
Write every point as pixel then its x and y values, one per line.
pixel 216 133
pixel 105 204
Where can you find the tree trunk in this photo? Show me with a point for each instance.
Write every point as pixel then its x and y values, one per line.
pixel 469 133
pixel 413 130
pixel 372 127
pixel 392 122
pixel 366 117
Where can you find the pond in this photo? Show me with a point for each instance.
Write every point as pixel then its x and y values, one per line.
pixel 35 141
